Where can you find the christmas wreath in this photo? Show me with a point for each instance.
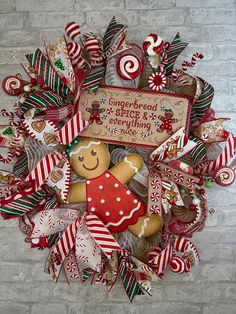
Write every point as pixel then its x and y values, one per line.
pixel 112 148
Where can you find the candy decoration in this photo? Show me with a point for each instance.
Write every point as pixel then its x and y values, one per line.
pixel 177 264
pixel 128 66
pixel 224 176
pixel 180 244
pixel 72 30
pixel 191 64
pixel 75 54
pixel 153 44
pixel 157 81
pixel 12 85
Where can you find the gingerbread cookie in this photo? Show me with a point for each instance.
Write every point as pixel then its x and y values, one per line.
pixel 105 192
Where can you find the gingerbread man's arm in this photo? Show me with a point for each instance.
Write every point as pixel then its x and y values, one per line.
pixel 89 110
pixel 127 168
pixel 174 120
pixel 161 118
pixel 101 110
pixel 77 193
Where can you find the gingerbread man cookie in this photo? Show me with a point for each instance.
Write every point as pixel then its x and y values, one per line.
pixel 167 121
pixel 95 112
pixel 105 192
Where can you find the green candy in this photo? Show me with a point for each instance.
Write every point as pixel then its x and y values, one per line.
pixel 208 184
pixel 183 191
pixel 37 88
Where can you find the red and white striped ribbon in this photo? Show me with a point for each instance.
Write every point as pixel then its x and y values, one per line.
pixel 75 53
pixel 72 30
pixel 160 260
pixel 46 165
pixel 92 46
pixel 101 235
pixel 72 129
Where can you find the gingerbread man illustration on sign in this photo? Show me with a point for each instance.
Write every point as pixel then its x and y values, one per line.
pixel 167 121
pixel 95 112
pixel 105 192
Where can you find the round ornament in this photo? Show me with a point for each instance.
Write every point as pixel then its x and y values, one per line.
pixel 12 85
pixel 128 66
pixel 224 176
pixel 153 44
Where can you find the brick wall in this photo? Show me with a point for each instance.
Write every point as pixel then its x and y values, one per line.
pixel 210 26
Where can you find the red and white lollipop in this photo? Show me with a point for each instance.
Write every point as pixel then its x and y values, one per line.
pixel 224 176
pixel 153 44
pixel 128 66
pixel 177 264
pixel 12 85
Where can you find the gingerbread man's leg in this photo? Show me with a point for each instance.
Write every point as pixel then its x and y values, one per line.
pixel 146 226
pixel 98 119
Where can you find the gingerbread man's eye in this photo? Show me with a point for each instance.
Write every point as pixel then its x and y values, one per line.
pixel 81 158
pixel 93 152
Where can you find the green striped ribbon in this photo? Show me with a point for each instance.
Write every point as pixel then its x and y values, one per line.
pixel 94 78
pixel 44 69
pixel 42 99
pixel 204 101
pixel 129 281
pixel 176 47
pixel 23 205
pixel 111 30
pixel 21 165
pixel 198 153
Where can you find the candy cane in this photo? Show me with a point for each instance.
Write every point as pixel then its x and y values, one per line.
pixel 186 64
pixel 72 30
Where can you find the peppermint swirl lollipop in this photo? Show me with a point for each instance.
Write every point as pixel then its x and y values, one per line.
pixel 153 44
pixel 177 264
pixel 224 176
pixel 12 85
pixel 128 66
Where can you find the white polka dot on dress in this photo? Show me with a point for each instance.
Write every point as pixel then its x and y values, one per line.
pixel 100 187
pixel 89 199
pixel 88 182
pixel 107 175
pixel 121 213
pixel 102 201
pixel 128 192
pixel 118 199
pixel 135 201
pixel 116 185
pixel 107 214
pixel 93 209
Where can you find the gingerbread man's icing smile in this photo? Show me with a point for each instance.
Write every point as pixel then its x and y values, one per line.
pixel 91 169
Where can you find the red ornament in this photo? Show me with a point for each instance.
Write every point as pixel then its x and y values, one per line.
pixel 128 66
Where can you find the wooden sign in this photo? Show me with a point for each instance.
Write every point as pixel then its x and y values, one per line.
pixel 133 117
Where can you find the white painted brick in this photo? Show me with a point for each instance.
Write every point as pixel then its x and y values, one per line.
pixel 53 20
pixel 225 51
pixel 216 33
pixel 193 293
pixel 96 18
pixel 101 5
pixel 15 272
pixel 218 272
pixel 205 3
pixel 87 308
pixel 49 308
pixel 169 308
pixel 219 309
pixel 212 16
pixel 15 55
pixel 232 86
pixel 7 6
pixel 11 21
pixel 44 5
pixel 208 253
pixel 50 35
pixel 230 292
pixel 149 4
pixel 163 17
pixel 19 38
pixel 14 308
pixel 216 235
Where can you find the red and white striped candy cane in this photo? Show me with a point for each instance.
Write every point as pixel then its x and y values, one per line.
pixel 186 64
pixel 72 30
pixel 75 53
pixel 10 155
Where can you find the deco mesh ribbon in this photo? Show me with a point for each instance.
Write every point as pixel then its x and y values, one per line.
pixel 46 124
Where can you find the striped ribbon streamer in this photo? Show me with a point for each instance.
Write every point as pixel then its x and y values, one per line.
pixel 44 69
pixel 47 99
pixel 160 260
pixel 23 205
pixel 203 102
pixel 129 281
pixel 72 30
pixel 94 78
pixel 62 248
pixel 176 47
pixel 227 153
pixel 56 114
pixel 111 31
pixel 46 165
pixel 198 153
pixel 72 129
pixel 101 235
pixel 75 53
